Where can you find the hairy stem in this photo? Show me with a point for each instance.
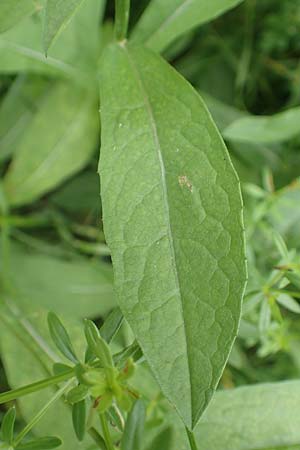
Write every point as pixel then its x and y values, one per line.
pixel 121 19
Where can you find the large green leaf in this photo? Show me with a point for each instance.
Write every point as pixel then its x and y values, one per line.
pixel 60 141
pixel 17 110
pixel 11 11
pixel 265 129
pixel 163 21
pixel 173 220
pixel 58 14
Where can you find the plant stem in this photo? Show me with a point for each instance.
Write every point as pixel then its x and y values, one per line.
pixel 34 387
pixel 41 413
pixel 106 433
pixel 121 18
pixel 191 438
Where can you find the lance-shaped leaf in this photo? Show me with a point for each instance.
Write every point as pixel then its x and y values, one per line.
pixel 57 16
pixel 163 21
pixel 79 419
pixel 173 220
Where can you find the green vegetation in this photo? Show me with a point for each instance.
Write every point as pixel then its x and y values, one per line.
pixel 128 317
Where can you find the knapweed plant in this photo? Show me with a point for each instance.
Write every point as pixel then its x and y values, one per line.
pixel 143 374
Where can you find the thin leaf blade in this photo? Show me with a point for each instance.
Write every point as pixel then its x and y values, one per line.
pixel 61 338
pixel 162 22
pixel 173 220
pixel 133 433
pixel 7 426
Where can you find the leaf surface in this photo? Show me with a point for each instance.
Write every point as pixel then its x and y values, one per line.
pixel 59 142
pixel 11 11
pixel 163 21
pixel 173 220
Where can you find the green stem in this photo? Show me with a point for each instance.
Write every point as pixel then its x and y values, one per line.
pixel 41 413
pixel 106 433
pixel 191 439
pixel 121 19
pixel 34 387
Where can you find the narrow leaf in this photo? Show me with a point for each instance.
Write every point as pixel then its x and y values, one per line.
pixel 133 434
pixel 162 22
pixel 173 220
pixel 79 419
pixel 58 15
pixel 7 426
pixel 111 325
pixel 289 303
pixel 265 129
pixel 61 338
pixel 97 344
pixel 59 141
pixel 43 443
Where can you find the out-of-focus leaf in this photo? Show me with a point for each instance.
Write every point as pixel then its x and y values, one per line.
pixel 289 303
pixel 74 52
pixel 44 443
pixel 265 129
pixel 245 418
pixel 82 288
pixel 164 440
pixel 59 141
pixel 11 11
pixel 7 426
pixel 57 16
pixel 111 325
pixel 17 109
pixel 163 21
pixel 28 356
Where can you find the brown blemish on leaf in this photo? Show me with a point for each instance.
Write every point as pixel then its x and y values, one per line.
pixel 184 181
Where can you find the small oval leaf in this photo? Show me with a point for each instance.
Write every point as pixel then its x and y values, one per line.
pixel 97 344
pixel 44 443
pixel 79 419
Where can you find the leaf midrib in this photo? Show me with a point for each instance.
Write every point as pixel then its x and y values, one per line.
pixel 166 205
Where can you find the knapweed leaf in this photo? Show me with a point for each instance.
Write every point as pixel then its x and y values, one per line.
pixel 172 214
pixel 59 141
pixel 132 438
pixel 57 16
pixel 61 338
pixel 7 426
pixel 11 11
pixel 79 419
pixel 163 21
pixel 44 443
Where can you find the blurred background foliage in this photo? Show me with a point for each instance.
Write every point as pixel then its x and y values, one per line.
pixel 53 252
